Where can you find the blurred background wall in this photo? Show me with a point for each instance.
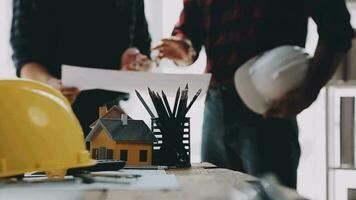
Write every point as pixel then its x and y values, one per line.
pixel 6 69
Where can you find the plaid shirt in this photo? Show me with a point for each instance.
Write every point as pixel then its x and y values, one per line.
pixel 232 31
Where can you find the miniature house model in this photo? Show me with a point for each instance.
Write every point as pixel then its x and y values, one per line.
pixel 121 139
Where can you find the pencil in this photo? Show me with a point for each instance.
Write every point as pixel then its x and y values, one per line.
pixel 152 95
pixel 145 104
pixel 176 102
pixel 161 106
pixel 183 99
pixel 167 104
pixel 193 100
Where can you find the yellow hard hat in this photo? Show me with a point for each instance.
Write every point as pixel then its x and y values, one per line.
pixel 38 131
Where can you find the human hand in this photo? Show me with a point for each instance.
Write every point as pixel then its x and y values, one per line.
pixel 177 49
pixel 133 60
pixel 292 103
pixel 71 93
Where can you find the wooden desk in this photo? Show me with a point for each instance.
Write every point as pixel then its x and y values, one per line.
pixel 202 181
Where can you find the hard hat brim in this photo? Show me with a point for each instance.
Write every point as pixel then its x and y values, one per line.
pixel 246 89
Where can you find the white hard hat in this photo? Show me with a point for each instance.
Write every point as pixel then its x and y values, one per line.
pixel 267 77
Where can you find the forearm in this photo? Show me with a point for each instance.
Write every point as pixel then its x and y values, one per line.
pixel 190 29
pixel 142 38
pixel 35 71
pixel 322 67
pixel 335 39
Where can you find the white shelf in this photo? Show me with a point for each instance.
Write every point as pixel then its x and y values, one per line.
pixel 339 178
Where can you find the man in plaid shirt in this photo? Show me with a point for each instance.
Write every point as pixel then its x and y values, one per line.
pixel 233 31
pixel 110 34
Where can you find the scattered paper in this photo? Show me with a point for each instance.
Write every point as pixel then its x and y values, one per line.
pixel 44 195
pixel 128 81
pixel 147 180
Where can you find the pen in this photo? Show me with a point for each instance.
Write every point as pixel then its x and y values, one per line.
pixel 151 167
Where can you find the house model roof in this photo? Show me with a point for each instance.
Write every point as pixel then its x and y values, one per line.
pixel 136 131
pixel 113 113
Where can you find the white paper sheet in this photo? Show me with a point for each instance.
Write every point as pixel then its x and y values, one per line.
pixel 127 81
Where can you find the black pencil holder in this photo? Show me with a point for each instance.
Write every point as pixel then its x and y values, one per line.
pixel 172 147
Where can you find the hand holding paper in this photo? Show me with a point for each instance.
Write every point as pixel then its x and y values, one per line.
pixel 133 60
